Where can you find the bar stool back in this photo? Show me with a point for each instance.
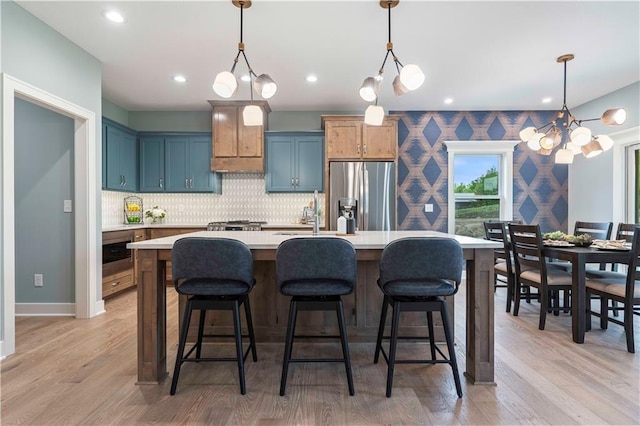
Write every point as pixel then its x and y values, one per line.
pixel 214 274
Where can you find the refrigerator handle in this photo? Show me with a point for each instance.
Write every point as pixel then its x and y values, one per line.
pixel 365 200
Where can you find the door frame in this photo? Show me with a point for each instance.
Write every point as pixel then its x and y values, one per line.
pixel 86 203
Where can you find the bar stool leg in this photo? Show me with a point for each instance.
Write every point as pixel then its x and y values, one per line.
pixel 291 326
pixel 345 346
pixel 181 344
pixel 203 314
pixel 432 340
pixel 252 338
pixel 452 353
pixel 239 352
pixel 393 345
pixel 383 320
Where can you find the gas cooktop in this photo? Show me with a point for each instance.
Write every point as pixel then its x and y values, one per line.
pixel 235 225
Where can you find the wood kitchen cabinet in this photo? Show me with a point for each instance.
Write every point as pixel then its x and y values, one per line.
pixel 348 138
pixel 177 162
pixel 295 162
pixel 119 157
pixel 237 147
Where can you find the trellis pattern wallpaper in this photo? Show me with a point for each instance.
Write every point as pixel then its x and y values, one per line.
pixel 539 188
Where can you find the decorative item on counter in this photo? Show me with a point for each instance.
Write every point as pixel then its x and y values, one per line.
pixel 156 214
pixel 342 225
pixel 133 211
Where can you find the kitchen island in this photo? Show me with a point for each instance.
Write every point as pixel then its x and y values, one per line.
pixel 269 308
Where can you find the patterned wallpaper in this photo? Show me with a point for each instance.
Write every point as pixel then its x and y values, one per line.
pixel 242 198
pixel 539 189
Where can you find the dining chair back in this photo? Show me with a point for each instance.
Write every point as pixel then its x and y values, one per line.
pixel 624 290
pixel 597 230
pixel 214 274
pixel 624 232
pixel 416 274
pixel 531 270
pixel 503 262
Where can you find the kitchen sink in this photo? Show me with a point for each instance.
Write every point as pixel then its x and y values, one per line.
pixel 293 233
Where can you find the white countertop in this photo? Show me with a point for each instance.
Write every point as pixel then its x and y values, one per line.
pixel 271 240
pixel 124 227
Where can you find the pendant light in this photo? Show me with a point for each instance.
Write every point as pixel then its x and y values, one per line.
pixel 410 77
pixel 578 138
pixel 226 84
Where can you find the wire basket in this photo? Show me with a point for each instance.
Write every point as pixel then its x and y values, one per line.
pixel 133 211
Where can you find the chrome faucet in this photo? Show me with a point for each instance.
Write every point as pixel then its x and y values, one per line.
pixel 316 226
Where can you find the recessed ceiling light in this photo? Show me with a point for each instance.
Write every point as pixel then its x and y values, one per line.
pixel 546 100
pixel 179 78
pixel 312 78
pixel 448 100
pixel 113 16
pixel 245 77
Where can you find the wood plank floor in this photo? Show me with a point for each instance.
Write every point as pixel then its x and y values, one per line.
pixel 69 371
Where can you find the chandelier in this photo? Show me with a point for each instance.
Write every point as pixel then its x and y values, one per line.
pixel 409 77
pixel 577 138
pixel 226 84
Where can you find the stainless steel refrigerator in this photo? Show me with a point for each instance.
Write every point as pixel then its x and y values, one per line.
pixel 372 184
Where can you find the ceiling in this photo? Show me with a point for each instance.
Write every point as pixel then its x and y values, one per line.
pixel 485 55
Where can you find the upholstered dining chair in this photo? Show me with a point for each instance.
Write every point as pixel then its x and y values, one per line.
pixel 532 270
pixel 416 274
pixel 316 272
pixel 624 232
pixel 624 290
pixel 214 274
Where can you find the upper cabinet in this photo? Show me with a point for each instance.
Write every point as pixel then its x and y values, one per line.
pixel 348 138
pixel 236 147
pixel 120 159
pixel 295 162
pixel 177 163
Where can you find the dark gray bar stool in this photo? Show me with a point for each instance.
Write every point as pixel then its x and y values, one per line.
pixel 415 275
pixel 215 274
pixel 316 272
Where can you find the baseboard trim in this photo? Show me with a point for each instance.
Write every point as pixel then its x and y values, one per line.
pixel 45 309
pixel 100 308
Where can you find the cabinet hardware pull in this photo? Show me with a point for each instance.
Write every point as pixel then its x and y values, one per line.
pixel 186 182
pixel 115 284
pixel 191 183
pixel 297 181
pixel 161 184
pixel 358 148
pixel 293 182
pixel 365 149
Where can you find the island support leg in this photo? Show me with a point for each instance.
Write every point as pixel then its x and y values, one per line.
pixel 152 318
pixel 480 327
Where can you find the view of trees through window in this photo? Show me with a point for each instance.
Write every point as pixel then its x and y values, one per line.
pixel 476 192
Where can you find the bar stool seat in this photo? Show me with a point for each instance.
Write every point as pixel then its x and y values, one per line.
pixel 214 274
pixel 316 282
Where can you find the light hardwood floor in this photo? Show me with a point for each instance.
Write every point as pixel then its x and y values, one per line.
pixel 69 371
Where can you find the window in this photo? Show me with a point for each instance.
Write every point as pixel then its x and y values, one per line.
pixel 625 188
pixel 480 184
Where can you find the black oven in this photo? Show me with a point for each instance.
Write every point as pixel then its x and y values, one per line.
pixel 116 256
pixel 114 252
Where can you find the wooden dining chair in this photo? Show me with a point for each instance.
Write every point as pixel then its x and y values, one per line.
pixel 624 290
pixel 597 231
pixel 531 270
pixel 624 232
pixel 503 263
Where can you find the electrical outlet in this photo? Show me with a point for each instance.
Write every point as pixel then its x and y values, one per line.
pixel 37 280
pixel 428 208
pixel 68 206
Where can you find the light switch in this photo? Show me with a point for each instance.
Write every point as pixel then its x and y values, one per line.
pixel 68 206
pixel 428 208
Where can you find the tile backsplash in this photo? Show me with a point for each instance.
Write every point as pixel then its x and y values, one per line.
pixel 243 198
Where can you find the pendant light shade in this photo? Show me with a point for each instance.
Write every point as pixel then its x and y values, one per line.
pixel 369 89
pixel 398 87
pixel 615 116
pixel 252 115
pixel 265 86
pixel 411 76
pixel 374 115
pixel 225 85
pixel 577 138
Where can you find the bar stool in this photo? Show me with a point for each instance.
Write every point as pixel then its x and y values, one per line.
pixel 415 275
pixel 214 274
pixel 315 272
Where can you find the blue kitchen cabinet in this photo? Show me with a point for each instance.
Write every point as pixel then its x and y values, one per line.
pixel 295 162
pixel 120 157
pixel 188 164
pixel 152 164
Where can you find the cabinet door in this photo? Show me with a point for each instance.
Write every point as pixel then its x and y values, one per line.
pixel 114 177
pixel 128 162
pixel 343 139
pixel 380 142
pixel 152 164
pixel 309 164
pixel 202 179
pixel 225 131
pixel 280 163
pixel 250 139
pixel 176 164
pixel 104 156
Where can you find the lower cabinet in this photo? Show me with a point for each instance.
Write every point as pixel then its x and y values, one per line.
pixel 115 283
pixel 177 162
pixel 295 162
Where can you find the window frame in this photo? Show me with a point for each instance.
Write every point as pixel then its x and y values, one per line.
pixel 504 149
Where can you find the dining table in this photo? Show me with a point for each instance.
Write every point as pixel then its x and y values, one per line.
pixel 579 258
pixel 269 307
